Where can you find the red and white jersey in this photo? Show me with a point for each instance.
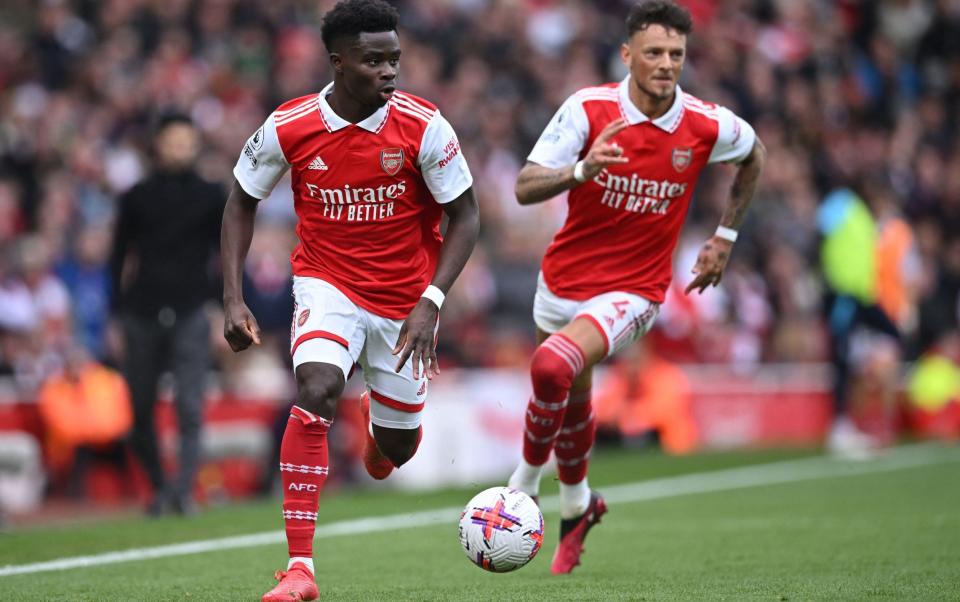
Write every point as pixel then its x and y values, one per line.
pixel 368 195
pixel 623 225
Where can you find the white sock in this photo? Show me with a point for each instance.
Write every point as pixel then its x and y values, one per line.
pixel 306 561
pixel 526 478
pixel 574 499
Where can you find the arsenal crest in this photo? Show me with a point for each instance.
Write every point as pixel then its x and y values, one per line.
pixel 391 160
pixel 682 158
pixel 303 317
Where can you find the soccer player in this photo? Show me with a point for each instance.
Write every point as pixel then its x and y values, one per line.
pixel 373 171
pixel 630 153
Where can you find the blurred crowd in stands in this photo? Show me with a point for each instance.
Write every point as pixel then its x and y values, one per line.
pixel 844 93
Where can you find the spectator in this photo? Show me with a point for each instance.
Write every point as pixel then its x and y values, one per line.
pixel 86 274
pixel 35 306
pixel 85 409
pixel 644 394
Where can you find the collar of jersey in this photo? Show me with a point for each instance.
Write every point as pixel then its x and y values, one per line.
pixel 334 122
pixel 667 122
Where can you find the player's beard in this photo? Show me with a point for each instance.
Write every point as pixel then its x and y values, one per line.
pixel 654 93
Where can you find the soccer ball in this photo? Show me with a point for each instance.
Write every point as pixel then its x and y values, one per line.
pixel 501 529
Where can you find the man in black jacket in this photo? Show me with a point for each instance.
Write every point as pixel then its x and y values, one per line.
pixel 162 265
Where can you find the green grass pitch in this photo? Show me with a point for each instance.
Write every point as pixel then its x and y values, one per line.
pixel 873 534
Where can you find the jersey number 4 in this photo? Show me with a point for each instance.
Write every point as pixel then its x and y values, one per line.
pixel 618 306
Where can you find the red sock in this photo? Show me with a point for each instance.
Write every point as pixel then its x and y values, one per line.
pixel 575 439
pixel 303 470
pixel 555 364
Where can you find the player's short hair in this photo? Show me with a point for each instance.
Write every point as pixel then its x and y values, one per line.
pixel 659 12
pixel 165 120
pixel 353 17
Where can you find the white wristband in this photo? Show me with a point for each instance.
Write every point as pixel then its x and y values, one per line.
pixel 726 233
pixel 434 294
pixel 578 174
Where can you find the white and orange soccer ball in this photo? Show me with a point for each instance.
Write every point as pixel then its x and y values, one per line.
pixel 501 529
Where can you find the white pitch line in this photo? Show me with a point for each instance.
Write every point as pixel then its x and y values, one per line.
pixel 790 471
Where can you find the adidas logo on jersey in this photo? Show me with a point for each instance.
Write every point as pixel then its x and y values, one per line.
pixel 317 163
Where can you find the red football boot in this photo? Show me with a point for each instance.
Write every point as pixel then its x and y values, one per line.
pixel 296 583
pixel 378 466
pixel 572 533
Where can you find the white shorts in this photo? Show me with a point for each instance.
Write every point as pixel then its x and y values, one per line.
pixel 620 317
pixel 329 328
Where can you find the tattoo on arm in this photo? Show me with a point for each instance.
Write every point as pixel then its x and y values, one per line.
pixel 744 186
pixel 721 254
pixel 537 183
